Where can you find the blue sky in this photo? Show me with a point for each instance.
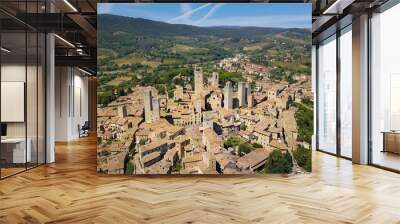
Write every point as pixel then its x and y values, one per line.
pixel 288 15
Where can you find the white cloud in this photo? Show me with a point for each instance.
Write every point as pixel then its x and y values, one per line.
pixel 185 8
pixel 211 12
pixel 188 13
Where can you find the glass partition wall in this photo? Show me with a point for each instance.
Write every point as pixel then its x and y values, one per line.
pixel 22 77
pixel 334 93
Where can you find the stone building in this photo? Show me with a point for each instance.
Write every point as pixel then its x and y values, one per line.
pixel 241 93
pixel 151 107
pixel 228 96
pixel 198 81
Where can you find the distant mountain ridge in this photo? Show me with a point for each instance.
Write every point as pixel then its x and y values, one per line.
pixel 144 27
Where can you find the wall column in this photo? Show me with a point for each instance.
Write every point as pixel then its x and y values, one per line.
pixel 50 98
pixel 92 88
pixel 360 90
pixel 314 90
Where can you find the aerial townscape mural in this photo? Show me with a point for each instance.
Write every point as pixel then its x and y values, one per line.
pixel 204 88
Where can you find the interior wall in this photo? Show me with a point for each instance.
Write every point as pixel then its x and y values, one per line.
pixel 71 102
pixel 14 73
pixel 61 103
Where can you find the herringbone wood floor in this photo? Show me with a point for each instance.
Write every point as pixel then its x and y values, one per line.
pixel 70 191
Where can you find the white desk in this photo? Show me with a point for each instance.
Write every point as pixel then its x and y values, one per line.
pixel 18 149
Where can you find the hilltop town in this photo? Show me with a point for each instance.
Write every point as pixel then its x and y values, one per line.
pixel 209 127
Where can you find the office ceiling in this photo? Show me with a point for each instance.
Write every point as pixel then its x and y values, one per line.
pixel 74 22
pixel 328 14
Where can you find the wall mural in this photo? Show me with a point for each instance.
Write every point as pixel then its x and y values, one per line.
pixel 204 88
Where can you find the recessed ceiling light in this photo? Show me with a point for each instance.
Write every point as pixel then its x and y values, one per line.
pixel 337 7
pixel 86 72
pixel 70 5
pixel 64 40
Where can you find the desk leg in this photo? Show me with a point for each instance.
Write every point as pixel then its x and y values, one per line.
pixel 384 142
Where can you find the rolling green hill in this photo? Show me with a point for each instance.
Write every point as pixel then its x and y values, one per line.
pixel 154 53
pixel 127 35
pixel 144 27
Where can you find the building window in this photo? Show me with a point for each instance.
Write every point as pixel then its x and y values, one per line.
pixel 385 89
pixel 327 95
pixel 346 92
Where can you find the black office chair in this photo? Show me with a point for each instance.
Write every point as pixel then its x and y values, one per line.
pixel 84 130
